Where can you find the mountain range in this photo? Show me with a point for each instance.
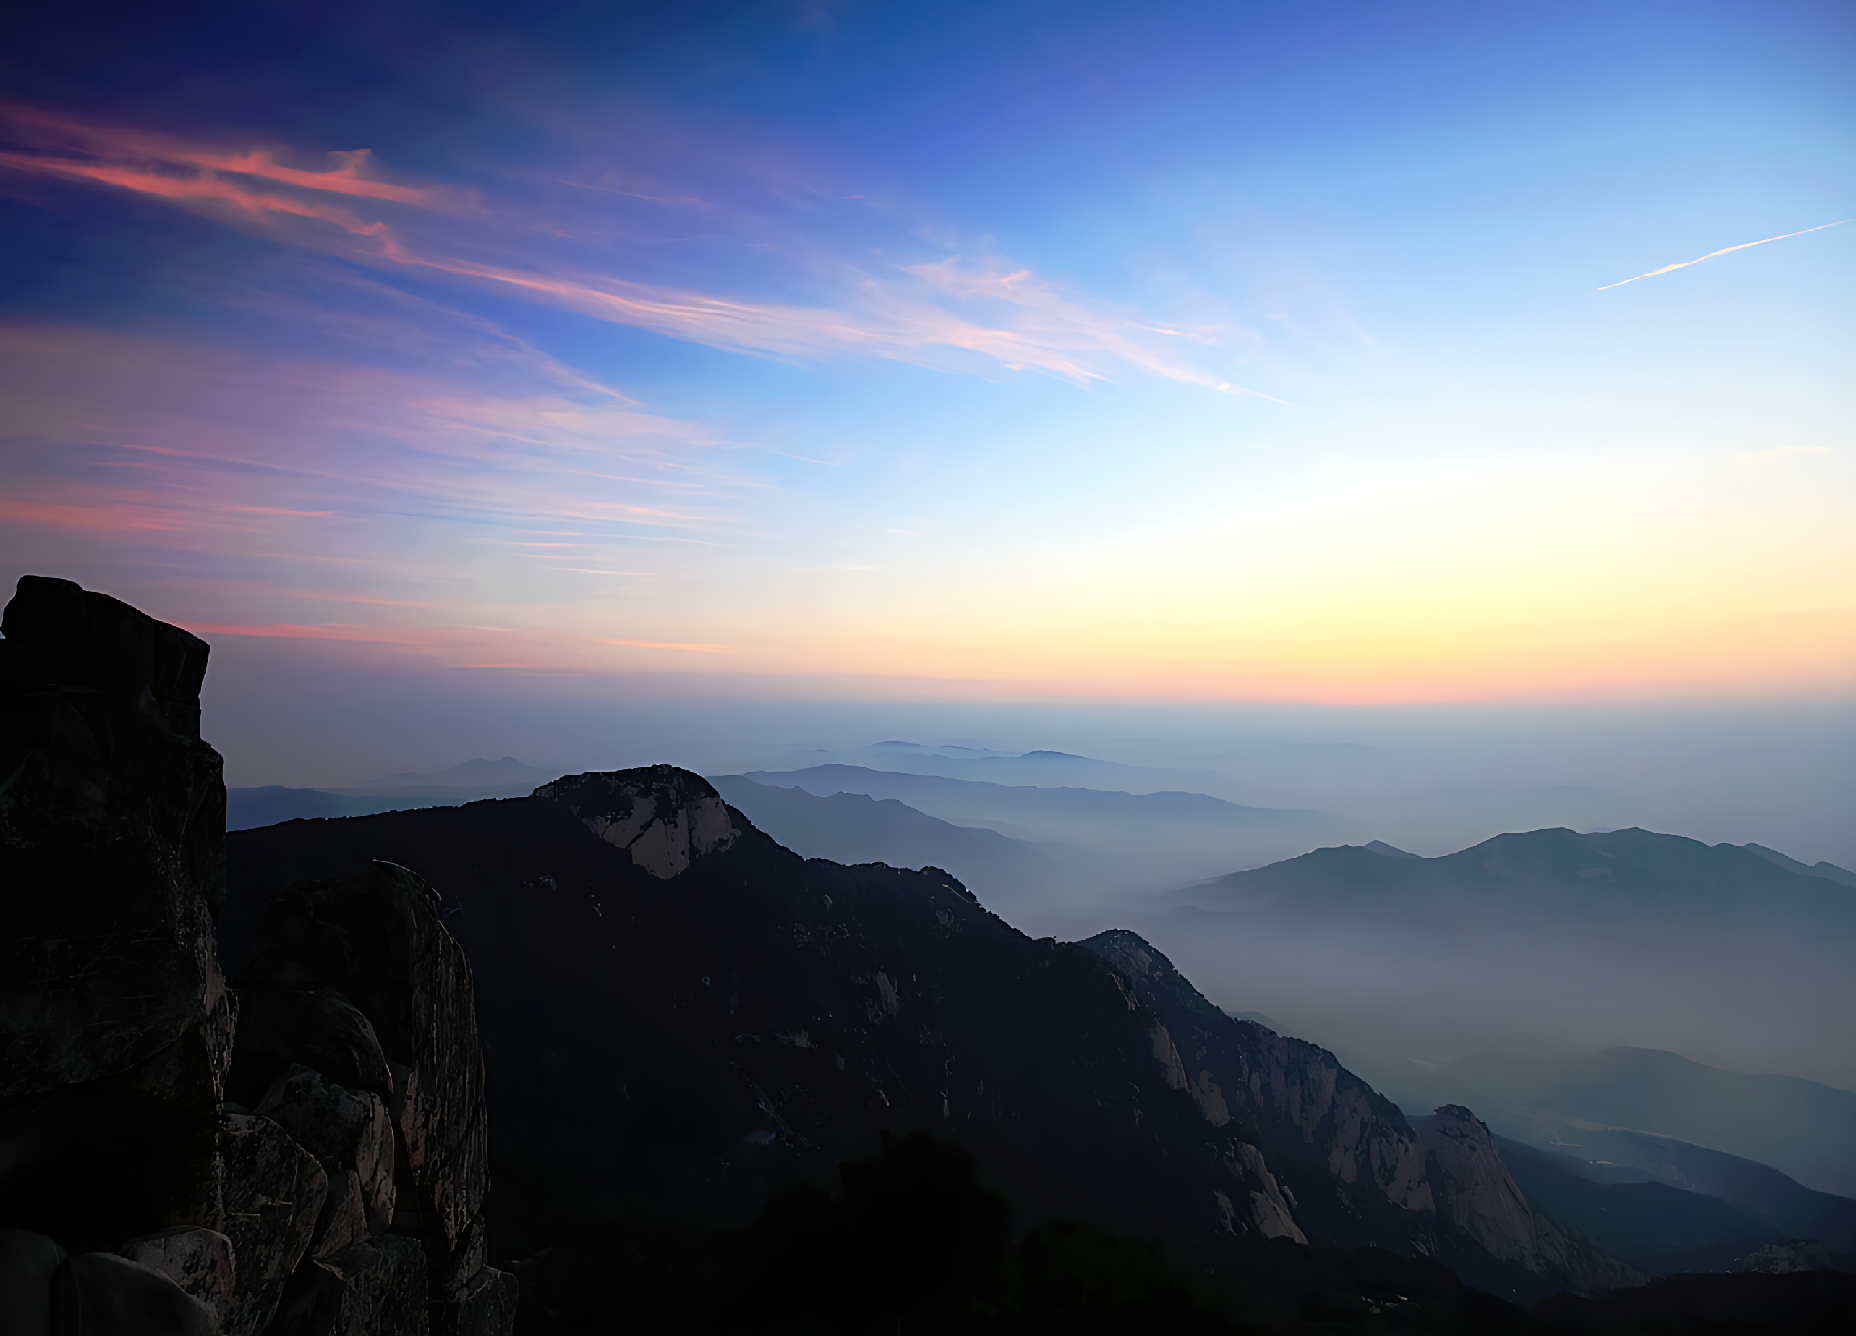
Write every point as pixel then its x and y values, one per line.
pixel 267 804
pixel 679 1016
pixel 1546 942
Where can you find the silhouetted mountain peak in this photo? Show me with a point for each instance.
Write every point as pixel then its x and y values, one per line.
pixel 1386 850
pixel 662 816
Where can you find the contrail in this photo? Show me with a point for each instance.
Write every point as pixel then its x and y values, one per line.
pixel 1711 254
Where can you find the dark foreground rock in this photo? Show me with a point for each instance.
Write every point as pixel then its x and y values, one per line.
pixel 140 1190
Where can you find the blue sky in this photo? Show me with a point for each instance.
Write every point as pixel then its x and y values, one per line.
pixel 1159 352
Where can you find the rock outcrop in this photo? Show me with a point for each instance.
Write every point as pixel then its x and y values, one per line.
pixel 368 1057
pixel 138 1192
pixel 1475 1192
pixel 661 816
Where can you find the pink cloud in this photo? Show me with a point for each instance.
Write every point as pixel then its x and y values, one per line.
pixel 204 189
pixel 294 631
pixel 1008 315
pixel 120 143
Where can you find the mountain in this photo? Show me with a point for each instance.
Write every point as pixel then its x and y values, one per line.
pixel 1602 872
pixel 481 773
pixel 271 803
pixel 1051 809
pixel 680 1017
pixel 1802 1128
pixel 1137 842
pixel 1541 941
pixel 856 828
pixel 1828 871
pixel 1044 768
pixel 465 782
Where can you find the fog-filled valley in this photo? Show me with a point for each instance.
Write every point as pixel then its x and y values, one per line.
pixel 1403 967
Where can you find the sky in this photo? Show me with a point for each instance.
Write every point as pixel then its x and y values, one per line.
pixel 1151 354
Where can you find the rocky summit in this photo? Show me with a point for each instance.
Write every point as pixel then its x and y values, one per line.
pixel 300 1157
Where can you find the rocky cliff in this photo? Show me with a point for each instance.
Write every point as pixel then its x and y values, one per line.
pixel 313 1165
pixel 681 1017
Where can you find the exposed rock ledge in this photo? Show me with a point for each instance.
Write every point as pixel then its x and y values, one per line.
pixel 662 816
pixel 164 1168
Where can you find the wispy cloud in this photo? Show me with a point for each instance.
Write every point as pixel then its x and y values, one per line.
pixel 354 173
pixel 665 644
pixel 1727 250
pixel 950 314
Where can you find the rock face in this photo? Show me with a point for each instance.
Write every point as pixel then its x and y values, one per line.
pixel 1366 1174
pixel 1478 1195
pixel 677 1038
pixel 359 974
pixel 662 816
pixel 138 1190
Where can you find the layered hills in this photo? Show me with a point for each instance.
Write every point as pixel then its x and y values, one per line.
pixel 680 1017
pixel 1549 943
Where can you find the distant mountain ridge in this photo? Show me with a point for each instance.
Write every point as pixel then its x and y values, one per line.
pixel 1632 867
pixel 856 828
pixel 480 773
pixel 467 781
pixel 1038 767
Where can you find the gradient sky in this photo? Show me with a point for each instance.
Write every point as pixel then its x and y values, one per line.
pixel 1137 351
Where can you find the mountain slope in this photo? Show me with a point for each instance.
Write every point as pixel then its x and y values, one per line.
pixel 1620 1154
pixel 1653 1226
pixel 1804 1129
pixel 856 828
pixel 680 1016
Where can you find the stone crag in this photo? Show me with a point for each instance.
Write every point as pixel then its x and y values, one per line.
pixel 320 1168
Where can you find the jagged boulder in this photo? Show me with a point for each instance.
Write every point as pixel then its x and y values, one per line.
pixel 273 1195
pixel 348 1131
